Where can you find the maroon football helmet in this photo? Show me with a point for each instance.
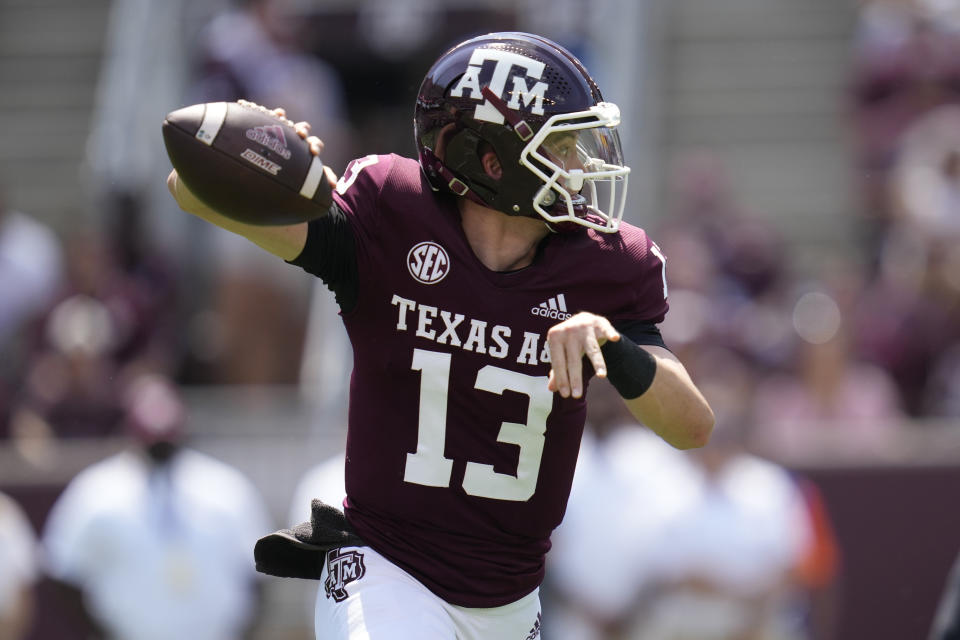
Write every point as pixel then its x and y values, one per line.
pixel 533 103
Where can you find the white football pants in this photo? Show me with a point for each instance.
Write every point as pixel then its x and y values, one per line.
pixel 370 598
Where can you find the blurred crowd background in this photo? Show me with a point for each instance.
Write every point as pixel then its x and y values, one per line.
pixel 168 393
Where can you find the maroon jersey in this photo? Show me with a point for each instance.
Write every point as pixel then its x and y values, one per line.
pixel 459 460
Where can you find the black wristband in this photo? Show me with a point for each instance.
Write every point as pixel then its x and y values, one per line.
pixel 630 368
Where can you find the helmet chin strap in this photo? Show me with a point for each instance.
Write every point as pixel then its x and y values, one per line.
pixel 455 184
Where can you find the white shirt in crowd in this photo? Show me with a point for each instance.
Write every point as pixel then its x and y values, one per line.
pixel 31 264
pixel 742 533
pixel 625 488
pixel 644 518
pixel 160 554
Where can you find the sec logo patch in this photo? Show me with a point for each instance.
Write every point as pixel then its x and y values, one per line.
pixel 428 263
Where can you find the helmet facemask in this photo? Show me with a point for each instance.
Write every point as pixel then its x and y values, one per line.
pixel 569 171
pixel 578 159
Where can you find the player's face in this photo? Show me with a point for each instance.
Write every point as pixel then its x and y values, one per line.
pixel 562 148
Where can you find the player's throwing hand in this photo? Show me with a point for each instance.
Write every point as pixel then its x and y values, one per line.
pixel 578 336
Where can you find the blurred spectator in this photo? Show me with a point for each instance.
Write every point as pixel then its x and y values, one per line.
pixel 927 194
pixel 830 397
pixel 905 63
pixel 627 484
pixel 919 318
pixel 926 179
pixel 942 393
pixel 730 556
pixel 18 570
pixel 917 283
pixel 151 280
pixel 30 273
pixel 728 268
pixel 156 541
pixel 733 551
pixel 30 268
pixel 708 545
pixel 104 326
pixel 260 307
pixel 818 574
pixel 746 250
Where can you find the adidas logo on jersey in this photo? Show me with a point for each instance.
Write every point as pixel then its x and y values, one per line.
pixel 554 308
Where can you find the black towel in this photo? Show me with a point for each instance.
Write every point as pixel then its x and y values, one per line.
pixel 300 552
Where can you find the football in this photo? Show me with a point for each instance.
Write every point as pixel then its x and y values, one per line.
pixel 246 163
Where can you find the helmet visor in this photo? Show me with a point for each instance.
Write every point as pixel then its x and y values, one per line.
pixel 578 158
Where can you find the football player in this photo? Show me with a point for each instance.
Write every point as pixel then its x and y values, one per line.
pixel 481 287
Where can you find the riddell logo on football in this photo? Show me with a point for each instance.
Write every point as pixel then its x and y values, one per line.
pixel 272 137
pixel 554 308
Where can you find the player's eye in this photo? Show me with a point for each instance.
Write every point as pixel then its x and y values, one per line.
pixel 561 145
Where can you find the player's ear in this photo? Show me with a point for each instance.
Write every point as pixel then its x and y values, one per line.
pixel 491 165
pixel 443 137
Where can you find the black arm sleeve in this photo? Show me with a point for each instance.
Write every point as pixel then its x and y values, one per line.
pixel 330 253
pixel 641 332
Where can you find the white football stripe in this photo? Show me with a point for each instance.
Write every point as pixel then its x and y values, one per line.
pixel 213 116
pixel 312 181
pixel 562 301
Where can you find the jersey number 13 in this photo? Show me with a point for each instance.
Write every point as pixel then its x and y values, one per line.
pixel 428 466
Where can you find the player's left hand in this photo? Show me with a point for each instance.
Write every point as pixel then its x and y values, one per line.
pixel 580 335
